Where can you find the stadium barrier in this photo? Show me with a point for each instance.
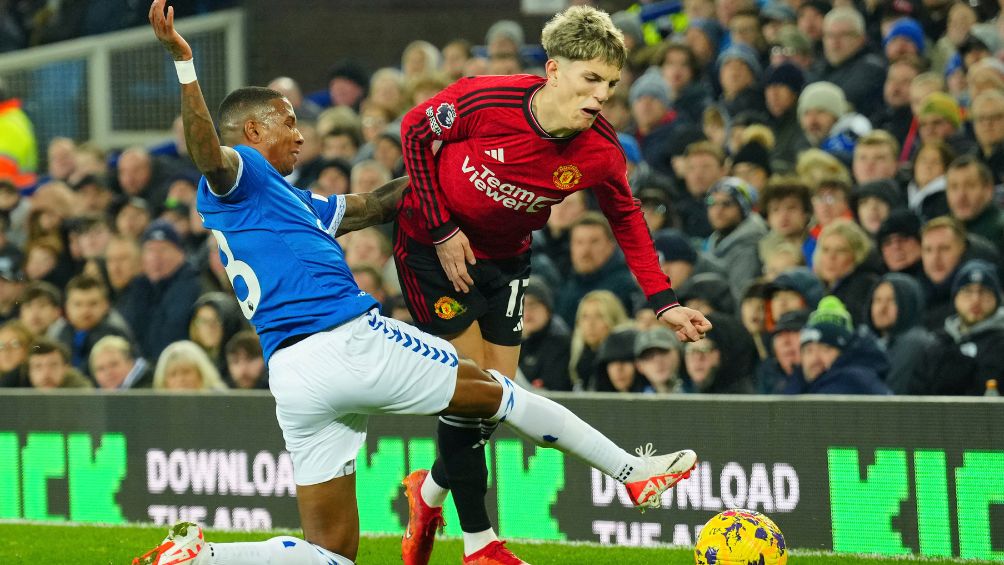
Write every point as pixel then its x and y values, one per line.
pixel 121 88
pixel 876 475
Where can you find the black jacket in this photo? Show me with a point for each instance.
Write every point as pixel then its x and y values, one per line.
pixel 544 356
pixel 963 359
pixel 158 313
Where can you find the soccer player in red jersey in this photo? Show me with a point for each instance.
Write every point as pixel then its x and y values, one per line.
pixel 488 157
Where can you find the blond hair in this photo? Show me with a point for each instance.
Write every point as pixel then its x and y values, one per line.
pixel 110 343
pixel 880 138
pixel 187 352
pixel 815 166
pixel 583 33
pixel 852 233
pixel 614 315
pixel 760 134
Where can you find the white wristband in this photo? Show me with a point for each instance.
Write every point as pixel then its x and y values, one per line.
pixel 186 71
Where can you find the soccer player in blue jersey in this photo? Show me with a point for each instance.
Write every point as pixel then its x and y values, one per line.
pixel 332 358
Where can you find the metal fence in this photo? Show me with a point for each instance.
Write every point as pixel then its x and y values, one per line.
pixel 120 88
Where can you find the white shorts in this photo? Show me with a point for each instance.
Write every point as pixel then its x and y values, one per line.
pixel 326 385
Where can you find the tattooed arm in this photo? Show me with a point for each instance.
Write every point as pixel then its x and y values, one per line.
pixel 218 163
pixel 370 209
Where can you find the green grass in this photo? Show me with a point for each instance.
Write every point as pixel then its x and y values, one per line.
pixel 95 545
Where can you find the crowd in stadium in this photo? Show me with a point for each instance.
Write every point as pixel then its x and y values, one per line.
pixel 783 153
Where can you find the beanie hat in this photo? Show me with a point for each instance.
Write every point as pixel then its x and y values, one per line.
pixel 941 104
pixel 650 84
pixel 822 96
pixel 754 153
pixel 791 38
pixel 778 12
pixel 739 190
pixel 787 74
pixel 899 222
pixel 742 53
pixel 505 28
pixel 671 245
pixel 711 29
pixel 977 271
pixel 538 289
pixel 801 280
pixel 908 28
pixel 162 230
pixel 884 189
pixel 830 324
pixel 630 25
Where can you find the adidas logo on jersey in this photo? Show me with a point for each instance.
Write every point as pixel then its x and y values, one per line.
pixel 497 154
pixel 518 327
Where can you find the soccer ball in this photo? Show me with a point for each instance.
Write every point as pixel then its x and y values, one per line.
pixel 740 537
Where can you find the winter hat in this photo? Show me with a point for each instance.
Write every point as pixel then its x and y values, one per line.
pixel 711 29
pixel 505 28
pixel 352 71
pixel 778 12
pixel 787 74
pixel 630 25
pixel 796 41
pixel 650 84
pixel 741 192
pixel 800 280
pixel 830 324
pixel 754 153
pixel 162 230
pixel 908 28
pixel 631 148
pixel 901 222
pixel 885 189
pixel 792 321
pixel 941 104
pixel 744 54
pixel 656 338
pixel 820 6
pixel 824 96
pixel 671 245
pixel 710 287
pixel 977 271
pixel 619 346
pixel 538 289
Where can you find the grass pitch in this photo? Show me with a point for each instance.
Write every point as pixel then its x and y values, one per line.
pixel 114 545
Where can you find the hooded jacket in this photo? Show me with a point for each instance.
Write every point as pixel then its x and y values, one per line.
pixel 737 250
pixel 619 346
pixel 906 342
pixel 963 358
pixel 859 369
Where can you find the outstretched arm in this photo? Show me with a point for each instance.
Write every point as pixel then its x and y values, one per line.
pixel 372 208
pixel 219 164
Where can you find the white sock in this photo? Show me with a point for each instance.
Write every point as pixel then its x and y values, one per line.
pixel 282 550
pixel 478 540
pixel 550 424
pixel 433 494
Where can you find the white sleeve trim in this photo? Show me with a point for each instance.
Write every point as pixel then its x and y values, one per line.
pixel 237 181
pixel 336 220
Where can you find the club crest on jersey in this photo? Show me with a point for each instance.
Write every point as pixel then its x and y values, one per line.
pixel 566 176
pixel 446 114
pixel 448 308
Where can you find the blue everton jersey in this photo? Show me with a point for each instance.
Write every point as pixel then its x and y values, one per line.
pixel 277 244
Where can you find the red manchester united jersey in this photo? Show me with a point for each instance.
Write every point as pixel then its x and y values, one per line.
pixel 479 162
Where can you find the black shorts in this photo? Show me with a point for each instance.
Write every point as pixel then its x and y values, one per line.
pixel 495 301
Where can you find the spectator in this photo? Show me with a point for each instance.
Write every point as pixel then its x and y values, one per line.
pixel 122 266
pixel 899 242
pixel 165 292
pixel 811 15
pixel 185 366
pixel 833 361
pixel 332 178
pixel 216 318
pixel 456 53
pixel 969 345
pixel 723 361
pixel 797 289
pixel 752 164
pixel 141 176
pixel 245 363
pixel 827 121
pixel 15 339
pixel 782 87
pixel 49 367
pixel 115 366
pixel 598 314
pixel 132 218
pixel 342 142
pixel 11 287
pixel 707 292
pixel 839 263
pixel 40 310
pixel 94 195
pixel 681 71
pixel 874 201
pixel 970 196
pixel 905 39
pixel 831 202
pixel 940 120
pixel 896 315
pixel 615 370
pixel 553 241
pixel 774 374
pixel 737 231
pixel 347 82
pixel 787 204
pixel 942 246
pixel 895 115
pixel 780 258
pixel 305 109
pixel 679 259
pixel 704 165
pixel 848 64
pixel 546 347
pixel 874 157
pixel 597 264
pixel 89 318
pixel 987 113
pixel 367 175
pixel 651 108
pixel 926 192
pixel 751 313
pixel 739 73
pixel 657 359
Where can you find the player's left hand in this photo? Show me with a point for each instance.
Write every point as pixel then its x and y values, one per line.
pixel 687 323
pixel 163 26
pixel 454 255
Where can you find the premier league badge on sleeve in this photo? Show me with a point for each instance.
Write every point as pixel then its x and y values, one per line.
pixel 446 114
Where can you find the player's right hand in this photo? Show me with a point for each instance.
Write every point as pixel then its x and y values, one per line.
pixel 454 255
pixel 163 26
